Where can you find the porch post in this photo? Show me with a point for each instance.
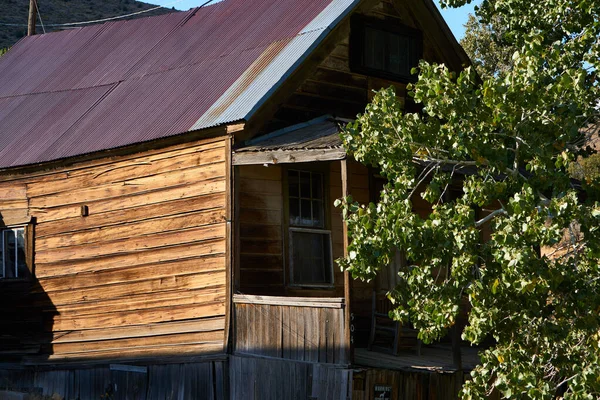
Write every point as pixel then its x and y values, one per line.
pixel 347 278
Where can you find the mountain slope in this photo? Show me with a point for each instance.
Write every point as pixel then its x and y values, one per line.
pixel 14 12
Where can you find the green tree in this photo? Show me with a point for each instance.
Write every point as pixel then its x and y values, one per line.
pixel 2 51
pixel 514 133
pixel 486 46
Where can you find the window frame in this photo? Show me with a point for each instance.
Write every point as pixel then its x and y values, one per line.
pixel 28 234
pixel 321 168
pixel 358 24
pixel 325 232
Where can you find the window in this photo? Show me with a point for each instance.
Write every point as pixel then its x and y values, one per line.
pixel 385 50
pixel 13 254
pixel 310 253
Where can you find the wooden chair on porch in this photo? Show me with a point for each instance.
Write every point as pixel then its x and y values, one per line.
pixel 386 334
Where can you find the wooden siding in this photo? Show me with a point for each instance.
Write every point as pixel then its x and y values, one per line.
pixel 335 89
pixel 295 329
pixel 408 385
pixel 261 230
pixel 144 273
pixel 254 378
pixel 119 382
pixel 263 257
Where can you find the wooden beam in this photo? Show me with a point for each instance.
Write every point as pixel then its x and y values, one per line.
pixel 229 246
pixel 32 18
pixel 233 128
pixel 347 278
pixel 314 302
pixel 287 156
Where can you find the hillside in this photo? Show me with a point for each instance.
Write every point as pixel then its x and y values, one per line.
pixel 63 11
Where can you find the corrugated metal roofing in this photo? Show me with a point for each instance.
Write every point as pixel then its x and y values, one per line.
pixel 320 133
pixel 100 87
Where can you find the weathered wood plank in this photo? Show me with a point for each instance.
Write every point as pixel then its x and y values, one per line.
pixel 260 172
pixel 262 186
pixel 264 201
pixel 180 349
pixel 131 215
pixel 138 317
pixel 203 248
pixel 133 274
pixel 316 302
pixel 134 229
pixel 143 302
pixel 286 157
pixel 12 191
pixel 158 329
pixel 131 245
pixel 160 195
pixel 280 330
pixel 122 172
pixel 132 186
pixel 124 290
pixel 132 343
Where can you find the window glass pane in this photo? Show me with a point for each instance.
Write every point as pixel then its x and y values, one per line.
pixel 374 48
pixel 318 217
pixel 398 54
pixel 317 186
pixel 22 270
pixel 293 184
pixel 9 254
pixel 311 258
pixel 294 211
pixel 305 185
pixel 305 213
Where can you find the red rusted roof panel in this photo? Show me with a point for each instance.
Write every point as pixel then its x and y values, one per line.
pixel 88 89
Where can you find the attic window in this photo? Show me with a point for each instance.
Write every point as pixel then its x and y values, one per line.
pixel 384 50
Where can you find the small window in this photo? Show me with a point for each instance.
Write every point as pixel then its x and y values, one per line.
pixel 311 257
pixel 385 50
pixel 309 242
pixel 13 254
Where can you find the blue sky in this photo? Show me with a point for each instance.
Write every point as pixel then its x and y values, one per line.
pixel 454 17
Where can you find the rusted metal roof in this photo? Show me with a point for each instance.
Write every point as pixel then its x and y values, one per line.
pixel 315 140
pixel 100 87
pixel 319 133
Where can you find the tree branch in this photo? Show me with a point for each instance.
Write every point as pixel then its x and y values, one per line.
pixel 490 216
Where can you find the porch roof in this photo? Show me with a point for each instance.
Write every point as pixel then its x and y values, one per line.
pixel 314 140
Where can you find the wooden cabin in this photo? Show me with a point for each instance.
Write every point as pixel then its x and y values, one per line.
pixel 166 205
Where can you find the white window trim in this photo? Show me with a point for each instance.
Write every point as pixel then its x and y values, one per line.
pixel 14 229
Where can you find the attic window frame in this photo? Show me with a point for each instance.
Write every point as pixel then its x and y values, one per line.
pixel 359 23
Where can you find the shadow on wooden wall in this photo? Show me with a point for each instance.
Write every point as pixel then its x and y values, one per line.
pixel 26 310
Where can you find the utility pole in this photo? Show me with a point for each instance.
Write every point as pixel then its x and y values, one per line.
pixel 32 18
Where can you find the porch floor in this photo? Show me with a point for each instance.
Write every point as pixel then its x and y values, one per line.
pixel 437 358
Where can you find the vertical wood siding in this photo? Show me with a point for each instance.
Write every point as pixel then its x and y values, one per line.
pixel 303 331
pixel 411 385
pixel 144 274
pixel 165 382
pixel 256 379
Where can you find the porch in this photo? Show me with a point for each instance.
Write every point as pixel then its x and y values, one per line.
pixel 298 305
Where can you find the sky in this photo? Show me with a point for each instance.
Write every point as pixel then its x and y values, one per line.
pixel 455 18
